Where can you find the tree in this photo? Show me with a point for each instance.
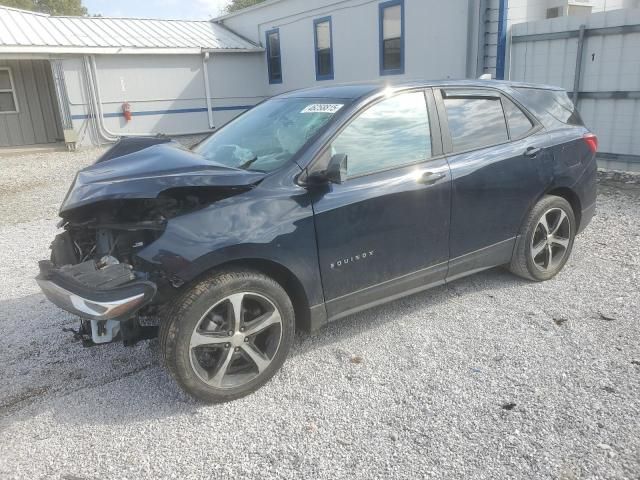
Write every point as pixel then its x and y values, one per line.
pixel 240 4
pixel 21 4
pixel 52 7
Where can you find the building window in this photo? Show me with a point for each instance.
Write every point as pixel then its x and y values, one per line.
pixel 392 37
pixel 323 42
pixel 8 100
pixel 273 56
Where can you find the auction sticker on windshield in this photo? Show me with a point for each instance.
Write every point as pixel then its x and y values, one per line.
pixel 322 108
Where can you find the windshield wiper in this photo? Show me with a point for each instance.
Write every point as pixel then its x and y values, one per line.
pixel 248 163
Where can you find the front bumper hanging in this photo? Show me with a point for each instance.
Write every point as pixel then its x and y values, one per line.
pixel 111 293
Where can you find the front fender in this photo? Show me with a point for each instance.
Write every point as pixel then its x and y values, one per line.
pixel 268 224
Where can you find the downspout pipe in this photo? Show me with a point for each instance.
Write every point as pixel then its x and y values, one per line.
pixel 502 39
pixel 93 113
pixel 207 88
pixel 578 69
pixel 473 24
pixel 96 105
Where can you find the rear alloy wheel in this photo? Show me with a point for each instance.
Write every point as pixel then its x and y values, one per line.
pixel 545 241
pixel 228 335
pixel 551 239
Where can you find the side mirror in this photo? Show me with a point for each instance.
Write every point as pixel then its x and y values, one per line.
pixel 336 171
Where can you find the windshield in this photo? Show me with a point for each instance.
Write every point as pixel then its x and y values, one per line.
pixel 269 135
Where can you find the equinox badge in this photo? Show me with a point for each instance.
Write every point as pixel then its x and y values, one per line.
pixel 353 259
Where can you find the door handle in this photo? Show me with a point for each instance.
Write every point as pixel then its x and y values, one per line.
pixel 532 151
pixel 429 178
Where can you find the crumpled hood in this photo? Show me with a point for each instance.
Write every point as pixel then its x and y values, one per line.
pixel 148 172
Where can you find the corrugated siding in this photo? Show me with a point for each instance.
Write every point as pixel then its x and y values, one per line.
pixel 491 36
pixel 518 11
pixel 610 63
pixel 37 120
pixel 28 29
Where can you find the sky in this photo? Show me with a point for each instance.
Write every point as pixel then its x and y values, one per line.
pixel 179 9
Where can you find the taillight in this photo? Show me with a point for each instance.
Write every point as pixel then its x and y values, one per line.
pixel 592 141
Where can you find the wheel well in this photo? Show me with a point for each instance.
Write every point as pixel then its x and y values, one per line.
pixel 285 278
pixel 573 199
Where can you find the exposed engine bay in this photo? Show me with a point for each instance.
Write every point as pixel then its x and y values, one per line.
pixel 119 228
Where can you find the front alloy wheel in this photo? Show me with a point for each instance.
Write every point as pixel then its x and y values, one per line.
pixel 236 340
pixel 228 335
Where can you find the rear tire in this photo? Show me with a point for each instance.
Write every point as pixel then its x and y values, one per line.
pixel 228 335
pixel 545 241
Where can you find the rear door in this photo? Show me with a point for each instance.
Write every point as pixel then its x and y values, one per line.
pixel 495 151
pixel 385 231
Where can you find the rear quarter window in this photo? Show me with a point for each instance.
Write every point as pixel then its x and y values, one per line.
pixel 519 123
pixel 550 106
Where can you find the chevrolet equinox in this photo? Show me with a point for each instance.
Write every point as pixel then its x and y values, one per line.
pixel 311 206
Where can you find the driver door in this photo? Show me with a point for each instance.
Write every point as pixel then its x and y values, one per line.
pixel 384 232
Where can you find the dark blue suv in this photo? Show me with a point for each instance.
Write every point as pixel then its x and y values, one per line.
pixel 312 206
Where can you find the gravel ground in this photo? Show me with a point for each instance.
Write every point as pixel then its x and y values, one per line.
pixel 490 377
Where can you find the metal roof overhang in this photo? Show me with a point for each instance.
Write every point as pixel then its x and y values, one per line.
pixel 48 50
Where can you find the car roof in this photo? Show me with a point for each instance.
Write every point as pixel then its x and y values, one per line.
pixel 355 91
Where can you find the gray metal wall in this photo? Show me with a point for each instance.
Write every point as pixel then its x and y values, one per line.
pixel 166 92
pixel 520 11
pixel 608 83
pixel 37 121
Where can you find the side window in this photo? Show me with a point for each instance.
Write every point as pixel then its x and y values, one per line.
pixel 474 121
pixel 324 48
pixel 519 123
pixel 274 61
pixel 391 133
pixel 392 37
pixel 8 100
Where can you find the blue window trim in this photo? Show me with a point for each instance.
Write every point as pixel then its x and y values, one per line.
pixel 268 45
pixel 502 39
pixel 382 7
pixel 328 76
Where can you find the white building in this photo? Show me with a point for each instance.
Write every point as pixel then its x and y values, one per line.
pixel 426 39
pixel 68 78
pixel 180 77
pixel 71 78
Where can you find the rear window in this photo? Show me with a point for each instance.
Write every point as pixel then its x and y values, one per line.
pixel 551 106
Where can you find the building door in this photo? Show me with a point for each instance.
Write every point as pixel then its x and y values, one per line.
pixel 29 113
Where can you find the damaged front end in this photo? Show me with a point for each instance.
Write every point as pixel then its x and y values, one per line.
pixel 93 271
pixel 114 210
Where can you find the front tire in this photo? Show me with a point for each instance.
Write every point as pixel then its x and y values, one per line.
pixel 545 241
pixel 228 335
